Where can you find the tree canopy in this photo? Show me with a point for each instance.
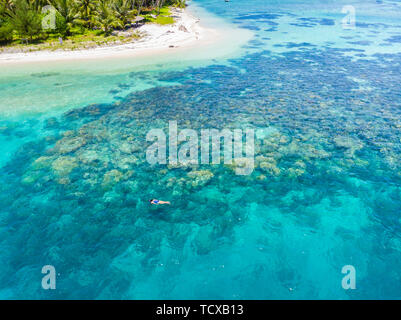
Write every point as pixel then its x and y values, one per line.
pixel 23 19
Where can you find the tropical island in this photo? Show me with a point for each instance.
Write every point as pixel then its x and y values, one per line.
pixel 54 25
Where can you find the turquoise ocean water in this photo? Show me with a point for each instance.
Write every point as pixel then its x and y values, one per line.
pixel 325 192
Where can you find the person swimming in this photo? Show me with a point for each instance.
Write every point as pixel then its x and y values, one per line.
pixel 155 201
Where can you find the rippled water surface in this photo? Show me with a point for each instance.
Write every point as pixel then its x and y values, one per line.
pixel 325 192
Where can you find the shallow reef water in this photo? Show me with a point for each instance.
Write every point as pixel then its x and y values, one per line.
pixel 325 191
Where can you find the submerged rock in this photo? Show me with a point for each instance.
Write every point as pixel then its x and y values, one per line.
pixel 203 240
pixel 295 172
pixel 300 164
pixel 89 156
pixel 64 165
pixel 111 178
pixel 184 164
pixel 69 144
pixel 200 177
pixel 270 168
pixel 31 177
pixel 351 144
pixel 128 147
pixel 240 163
pixel 41 162
pixel 125 163
pixel 64 181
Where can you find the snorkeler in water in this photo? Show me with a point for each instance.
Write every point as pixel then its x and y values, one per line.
pixel 155 201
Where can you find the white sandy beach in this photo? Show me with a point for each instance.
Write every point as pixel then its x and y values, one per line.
pixel 187 31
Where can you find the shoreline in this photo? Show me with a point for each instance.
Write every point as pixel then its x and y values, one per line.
pixel 86 76
pixel 186 32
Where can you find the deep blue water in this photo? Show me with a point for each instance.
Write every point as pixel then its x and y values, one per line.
pixel 325 193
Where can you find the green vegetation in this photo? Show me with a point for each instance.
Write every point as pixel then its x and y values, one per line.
pixel 39 24
pixel 161 16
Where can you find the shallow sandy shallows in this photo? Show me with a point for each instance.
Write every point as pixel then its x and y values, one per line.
pixel 185 32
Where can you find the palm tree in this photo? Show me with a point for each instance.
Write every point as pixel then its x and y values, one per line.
pixel 105 17
pixel 37 4
pixel 68 11
pixel 6 28
pixel 180 3
pixel 159 4
pixel 86 9
pixel 132 4
pixel 122 11
pixel 6 4
pixel 140 4
pixel 25 19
